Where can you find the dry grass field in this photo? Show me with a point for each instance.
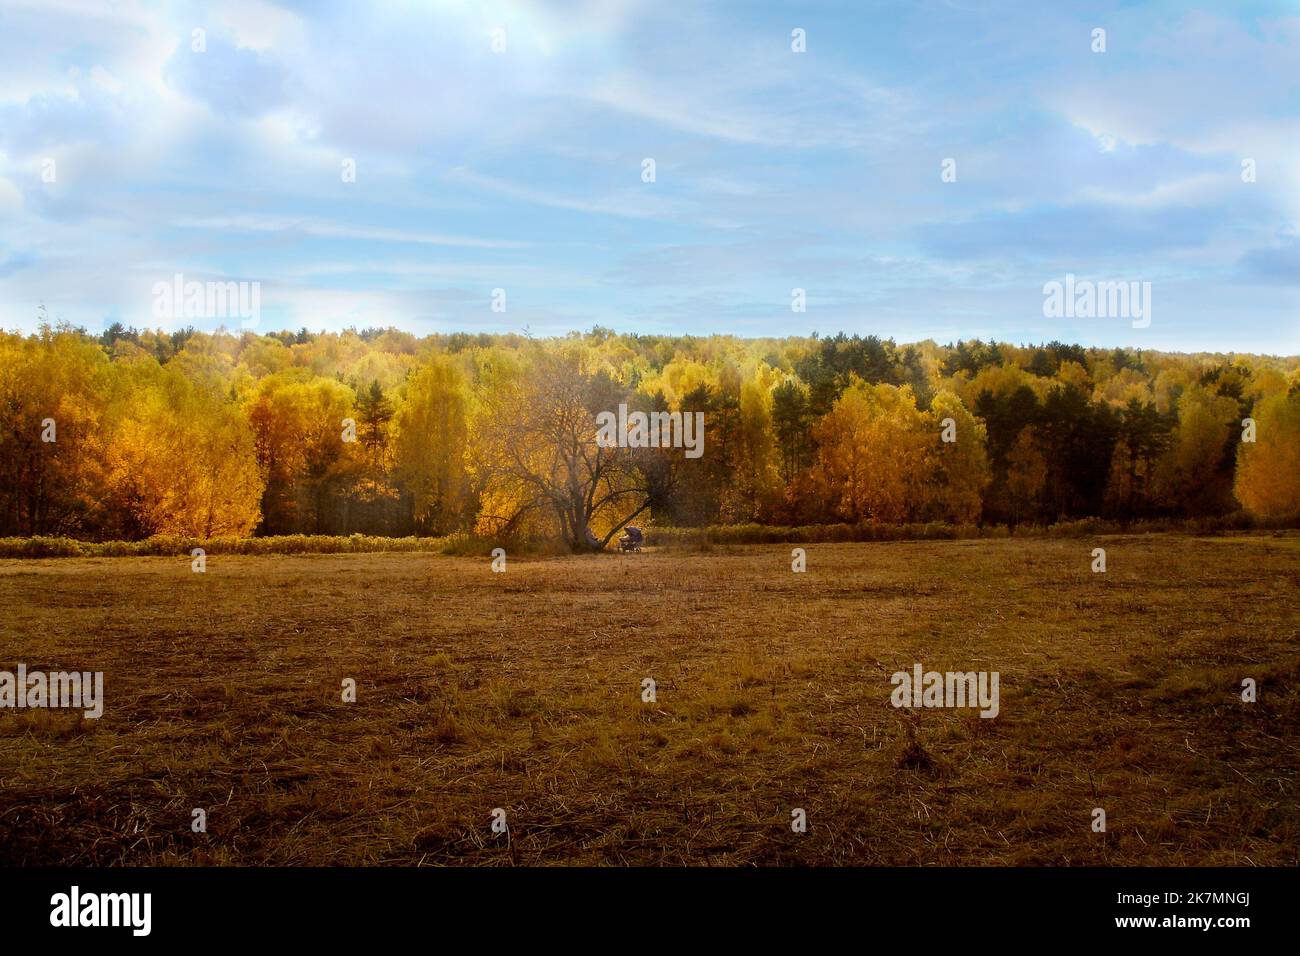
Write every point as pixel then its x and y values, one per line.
pixel 522 690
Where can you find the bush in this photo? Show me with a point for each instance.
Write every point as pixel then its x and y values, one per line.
pixel 715 535
pixel 173 545
pixel 694 539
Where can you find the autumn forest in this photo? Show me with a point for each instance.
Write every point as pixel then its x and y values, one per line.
pixel 131 434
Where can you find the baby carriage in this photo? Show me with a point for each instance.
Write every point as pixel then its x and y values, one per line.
pixel 632 539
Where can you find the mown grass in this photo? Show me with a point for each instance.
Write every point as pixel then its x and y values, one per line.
pixel 522 691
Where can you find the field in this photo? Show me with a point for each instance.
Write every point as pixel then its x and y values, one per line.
pixel 522 691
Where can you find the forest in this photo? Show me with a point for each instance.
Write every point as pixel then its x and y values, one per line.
pixel 131 434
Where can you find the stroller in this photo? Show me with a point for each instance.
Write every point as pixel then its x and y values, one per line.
pixel 632 540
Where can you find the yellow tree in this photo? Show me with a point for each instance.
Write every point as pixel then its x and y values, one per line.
pixel 1026 474
pixel 52 396
pixel 301 436
pixel 1190 474
pixel 431 442
pixel 962 469
pixel 181 460
pixel 1268 469
pixel 756 479
pixel 873 452
pixel 225 490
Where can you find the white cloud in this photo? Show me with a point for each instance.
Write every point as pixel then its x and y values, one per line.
pixel 336 230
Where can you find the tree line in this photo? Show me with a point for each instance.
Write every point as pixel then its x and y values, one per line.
pixel 131 434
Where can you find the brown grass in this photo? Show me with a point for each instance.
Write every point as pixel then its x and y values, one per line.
pixel 522 691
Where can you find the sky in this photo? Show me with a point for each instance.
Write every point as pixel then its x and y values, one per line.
pixel 502 146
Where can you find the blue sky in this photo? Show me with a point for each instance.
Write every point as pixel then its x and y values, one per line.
pixel 775 170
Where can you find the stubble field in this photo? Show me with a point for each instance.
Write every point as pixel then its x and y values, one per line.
pixel 522 691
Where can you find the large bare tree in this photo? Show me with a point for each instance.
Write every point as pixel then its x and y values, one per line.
pixel 538 453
